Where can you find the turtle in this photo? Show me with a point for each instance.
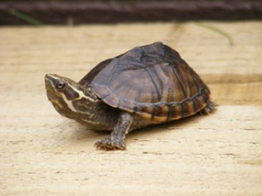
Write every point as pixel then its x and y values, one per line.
pixel 146 85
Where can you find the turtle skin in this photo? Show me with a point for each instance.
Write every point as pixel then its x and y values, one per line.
pixel 151 81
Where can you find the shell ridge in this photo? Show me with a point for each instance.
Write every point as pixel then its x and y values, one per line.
pixel 154 84
pixel 112 70
pixel 192 75
pixel 179 80
pixel 159 79
pixel 194 105
pixel 152 81
pixel 139 89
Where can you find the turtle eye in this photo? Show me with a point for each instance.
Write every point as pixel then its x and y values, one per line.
pixel 60 85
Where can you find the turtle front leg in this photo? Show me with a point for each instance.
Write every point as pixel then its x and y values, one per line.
pixel 116 140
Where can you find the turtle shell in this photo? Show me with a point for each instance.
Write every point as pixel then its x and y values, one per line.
pixel 152 81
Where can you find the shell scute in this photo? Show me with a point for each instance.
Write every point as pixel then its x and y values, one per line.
pixel 160 110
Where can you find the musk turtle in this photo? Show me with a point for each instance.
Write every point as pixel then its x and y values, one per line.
pixel 146 85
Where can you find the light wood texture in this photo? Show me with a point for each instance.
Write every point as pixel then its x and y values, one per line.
pixel 42 153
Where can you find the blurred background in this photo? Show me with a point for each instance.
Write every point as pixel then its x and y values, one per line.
pixel 38 12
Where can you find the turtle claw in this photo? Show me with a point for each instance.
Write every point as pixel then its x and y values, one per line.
pixel 209 108
pixel 110 144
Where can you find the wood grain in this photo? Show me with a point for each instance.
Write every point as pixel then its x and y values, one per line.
pixel 42 153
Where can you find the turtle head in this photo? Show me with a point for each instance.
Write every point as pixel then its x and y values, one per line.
pixel 69 98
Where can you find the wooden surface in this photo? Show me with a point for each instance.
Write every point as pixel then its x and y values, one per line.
pixel 42 153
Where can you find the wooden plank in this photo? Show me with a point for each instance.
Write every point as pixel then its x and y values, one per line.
pixel 42 153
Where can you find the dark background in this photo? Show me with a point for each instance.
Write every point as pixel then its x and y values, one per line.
pixel 37 12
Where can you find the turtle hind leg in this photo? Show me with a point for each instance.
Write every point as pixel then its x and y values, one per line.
pixel 116 140
pixel 209 108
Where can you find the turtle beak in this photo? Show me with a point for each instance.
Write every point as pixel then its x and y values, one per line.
pixel 49 77
pixel 50 80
